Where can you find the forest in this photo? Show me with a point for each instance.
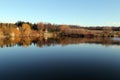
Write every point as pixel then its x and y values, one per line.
pixel 22 29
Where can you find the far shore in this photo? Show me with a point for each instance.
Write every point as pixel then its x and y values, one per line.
pixel 47 30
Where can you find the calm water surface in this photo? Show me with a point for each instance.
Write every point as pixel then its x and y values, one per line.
pixel 66 60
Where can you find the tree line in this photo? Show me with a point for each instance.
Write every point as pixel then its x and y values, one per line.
pixel 22 28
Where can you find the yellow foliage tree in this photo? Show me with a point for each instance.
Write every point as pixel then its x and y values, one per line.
pixel 64 28
pixel 26 29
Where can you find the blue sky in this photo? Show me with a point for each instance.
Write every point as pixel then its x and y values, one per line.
pixel 76 12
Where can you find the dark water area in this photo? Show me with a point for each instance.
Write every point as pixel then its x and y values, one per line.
pixel 59 59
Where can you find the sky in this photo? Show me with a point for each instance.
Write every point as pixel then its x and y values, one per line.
pixel 75 12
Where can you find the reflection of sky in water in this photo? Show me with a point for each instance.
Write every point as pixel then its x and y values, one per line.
pixel 118 39
pixel 90 59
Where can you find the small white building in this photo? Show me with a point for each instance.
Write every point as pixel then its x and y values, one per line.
pixel 46 30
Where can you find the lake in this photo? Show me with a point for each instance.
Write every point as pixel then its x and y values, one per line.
pixel 59 59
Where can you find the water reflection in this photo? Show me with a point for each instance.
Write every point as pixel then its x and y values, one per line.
pixel 41 42
pixel 81 62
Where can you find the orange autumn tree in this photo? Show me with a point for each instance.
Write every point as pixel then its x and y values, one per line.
pixel 64 28
pixel 40 26
pixel 1 33
pixel 15 31
pixel 25 29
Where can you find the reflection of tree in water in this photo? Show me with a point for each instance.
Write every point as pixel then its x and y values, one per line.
pixel 41 42
pixel 49 42
pixel 25 41
pixel 95 40
pixel 9 42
